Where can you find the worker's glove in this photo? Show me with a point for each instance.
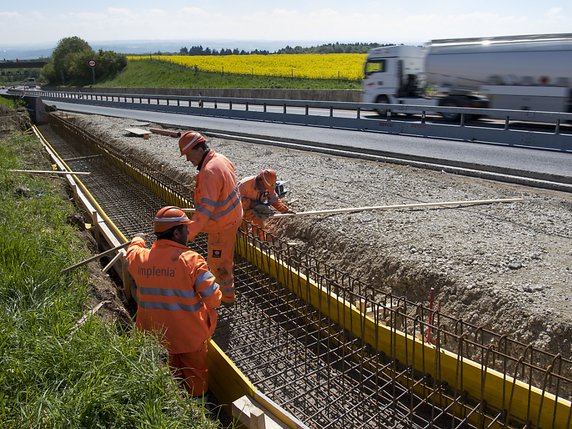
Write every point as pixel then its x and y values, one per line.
pixel 140 235
pixel 262 211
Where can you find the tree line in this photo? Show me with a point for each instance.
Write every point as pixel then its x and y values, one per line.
pixel 328 48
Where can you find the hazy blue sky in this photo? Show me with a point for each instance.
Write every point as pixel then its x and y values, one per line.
pixel 406 21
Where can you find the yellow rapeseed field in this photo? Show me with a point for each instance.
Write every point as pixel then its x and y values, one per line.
pixel 312 66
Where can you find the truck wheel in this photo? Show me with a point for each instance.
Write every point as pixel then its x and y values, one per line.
pixel 450 117
pixel 382 99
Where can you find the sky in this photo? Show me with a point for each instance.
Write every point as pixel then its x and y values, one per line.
pixel 41 22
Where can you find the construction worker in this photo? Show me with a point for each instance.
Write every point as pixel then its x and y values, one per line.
pixel 217 208
pixel 177 296
pixel 257 194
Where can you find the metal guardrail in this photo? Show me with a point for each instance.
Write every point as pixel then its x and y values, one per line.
pixel 346 115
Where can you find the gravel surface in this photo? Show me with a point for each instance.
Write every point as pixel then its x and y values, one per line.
pixel 506 266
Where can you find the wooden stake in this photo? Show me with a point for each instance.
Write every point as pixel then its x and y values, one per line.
pixel 79 173
pixel 94 310
pixel 399 206
pixel 93 258
pixel 120 253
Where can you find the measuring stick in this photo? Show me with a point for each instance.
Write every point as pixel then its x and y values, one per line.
pixel 399 206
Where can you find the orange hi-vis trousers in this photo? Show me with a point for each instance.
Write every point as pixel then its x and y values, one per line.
pixel 192 368
pixel 220 260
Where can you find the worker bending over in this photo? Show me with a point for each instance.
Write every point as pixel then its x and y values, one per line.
pixel 177 296
pixel 257 194
pixel 217 208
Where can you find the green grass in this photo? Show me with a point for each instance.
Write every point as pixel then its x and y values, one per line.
pixel 159 74
pixel 11 103
pixel 99 376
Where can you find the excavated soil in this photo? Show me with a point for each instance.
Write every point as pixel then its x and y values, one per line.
pixel 13 120
pixel 506 267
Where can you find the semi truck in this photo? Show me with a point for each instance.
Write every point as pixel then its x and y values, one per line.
pixel 527 72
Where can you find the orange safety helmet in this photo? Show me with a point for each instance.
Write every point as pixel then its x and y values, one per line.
pixel 168 217
pixel 268 178
pixel 189 140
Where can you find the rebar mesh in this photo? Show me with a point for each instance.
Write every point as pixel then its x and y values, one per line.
pixel 317 369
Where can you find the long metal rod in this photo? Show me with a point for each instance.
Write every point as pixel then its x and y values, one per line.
pixel 99 255
pixel 401 206
pixel 79 173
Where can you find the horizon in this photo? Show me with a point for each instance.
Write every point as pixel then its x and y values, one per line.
pixel 34 51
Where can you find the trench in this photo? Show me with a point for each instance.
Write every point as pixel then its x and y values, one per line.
pixel 320 371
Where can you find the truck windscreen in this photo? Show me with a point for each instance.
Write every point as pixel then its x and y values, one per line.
pixel 374 66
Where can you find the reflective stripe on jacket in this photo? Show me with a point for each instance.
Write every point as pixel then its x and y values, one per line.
pixel 216 198
pixel 176 293
pixel 250 196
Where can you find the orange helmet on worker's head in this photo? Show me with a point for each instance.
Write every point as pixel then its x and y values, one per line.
pixel 168 217
pixel 189 140
pixel 268 179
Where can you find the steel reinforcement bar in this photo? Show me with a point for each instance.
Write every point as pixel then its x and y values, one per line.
pixel 337 353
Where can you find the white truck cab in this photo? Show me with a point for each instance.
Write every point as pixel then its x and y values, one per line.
pixel 393 72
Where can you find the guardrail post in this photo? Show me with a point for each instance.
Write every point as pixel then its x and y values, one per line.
pixel 506 123
pixel 557 130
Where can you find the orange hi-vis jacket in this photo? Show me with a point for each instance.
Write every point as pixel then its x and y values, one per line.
pixel 217 203
pixel 176 293
pixel 250 196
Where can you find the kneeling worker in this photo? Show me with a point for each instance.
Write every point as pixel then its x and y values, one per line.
pixel 257 194
pixel 177 296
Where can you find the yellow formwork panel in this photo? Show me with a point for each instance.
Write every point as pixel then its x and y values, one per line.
pixel 523 401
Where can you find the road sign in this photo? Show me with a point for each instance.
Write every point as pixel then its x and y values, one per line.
pixel 91 63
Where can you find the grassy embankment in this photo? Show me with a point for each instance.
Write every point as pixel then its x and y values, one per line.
pixel 98 376
pixel 159 74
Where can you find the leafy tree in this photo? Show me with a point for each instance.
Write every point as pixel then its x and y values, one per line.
pixel 63 55
pixel 69 63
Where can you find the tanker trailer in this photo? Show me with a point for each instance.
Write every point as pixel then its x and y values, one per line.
pixel 509 72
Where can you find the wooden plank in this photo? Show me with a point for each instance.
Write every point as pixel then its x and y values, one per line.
pixel 139 132
pixel 253 416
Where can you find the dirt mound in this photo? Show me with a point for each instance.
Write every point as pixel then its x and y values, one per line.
pixel 13 120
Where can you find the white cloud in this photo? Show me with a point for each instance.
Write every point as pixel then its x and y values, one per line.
pixel 118 11
pixel 364 21
pixel 555 11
